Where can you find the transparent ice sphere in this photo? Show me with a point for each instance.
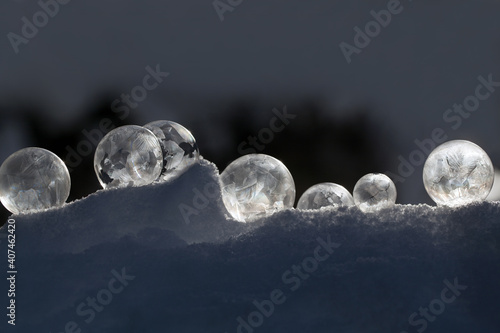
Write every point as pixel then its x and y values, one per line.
pixel 179 147
pixel 458 172
pixel 256 185
pixel 325 195
pixel 373 192
pixel 128 156
pixel 33 179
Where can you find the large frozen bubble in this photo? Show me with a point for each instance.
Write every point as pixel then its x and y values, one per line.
pixel 325 195
pixel 256 185
pixel 33 179
pixel 179 147
pixel 373 192
pixel 458 172
pixel 128 156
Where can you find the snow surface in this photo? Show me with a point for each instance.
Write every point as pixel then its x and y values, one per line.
pixel 264 54
pixel 203 273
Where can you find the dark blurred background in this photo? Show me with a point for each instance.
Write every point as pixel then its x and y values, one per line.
pixel 227 76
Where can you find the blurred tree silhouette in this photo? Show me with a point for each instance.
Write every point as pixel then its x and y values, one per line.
pixel 83 179
pixel 316 146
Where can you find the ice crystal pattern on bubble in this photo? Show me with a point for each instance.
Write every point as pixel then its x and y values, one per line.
pixel 33 179
pixel 458 172
pixel 373 192
pixel 179 147
pixel 256 185
pixel 128 156
pixel 325 195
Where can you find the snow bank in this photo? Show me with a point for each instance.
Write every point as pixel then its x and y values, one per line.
pixel 188 209
pixel 166 258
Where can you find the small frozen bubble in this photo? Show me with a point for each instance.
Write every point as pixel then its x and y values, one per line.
pixel 373 192
pixel 128 156
pixel 256 185
pixel 179 147
pixel 458 172
pixel 325 195
pixel 33 179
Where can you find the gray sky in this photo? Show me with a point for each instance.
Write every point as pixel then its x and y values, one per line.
pixel 426 59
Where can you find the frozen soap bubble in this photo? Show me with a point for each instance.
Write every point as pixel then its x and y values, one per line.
pixel 373 192
pixel 325 195
pixel 179 147
pixel 128 156
pixel 256 185
pixel 458 172
pixel 33 179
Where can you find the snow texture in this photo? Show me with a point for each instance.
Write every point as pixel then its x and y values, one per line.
pixel 207 272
